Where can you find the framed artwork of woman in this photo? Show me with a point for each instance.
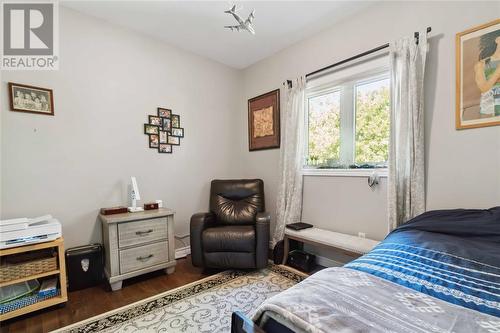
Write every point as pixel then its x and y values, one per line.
pixel 478 76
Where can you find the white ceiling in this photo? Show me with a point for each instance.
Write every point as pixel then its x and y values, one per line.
pixel 197 26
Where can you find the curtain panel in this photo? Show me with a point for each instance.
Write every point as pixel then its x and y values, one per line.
pixel 406 186
pixel 289 202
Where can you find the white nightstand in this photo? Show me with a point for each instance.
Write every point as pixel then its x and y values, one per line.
pixel 137 243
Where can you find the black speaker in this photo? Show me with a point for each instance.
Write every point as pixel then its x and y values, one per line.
pixel 302 260
pixel 84 266
pixel 279 250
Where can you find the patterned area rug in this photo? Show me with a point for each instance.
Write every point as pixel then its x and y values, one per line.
pixel 202 306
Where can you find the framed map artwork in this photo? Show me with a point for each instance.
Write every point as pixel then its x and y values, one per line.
pixel 264 121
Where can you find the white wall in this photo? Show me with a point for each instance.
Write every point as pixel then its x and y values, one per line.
pixel 463 167
pixel 80 160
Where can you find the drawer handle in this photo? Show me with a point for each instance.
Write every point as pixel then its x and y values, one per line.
pixel 145 258
pixel 142 233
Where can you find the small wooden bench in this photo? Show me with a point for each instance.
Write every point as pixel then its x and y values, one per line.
pixel 325 238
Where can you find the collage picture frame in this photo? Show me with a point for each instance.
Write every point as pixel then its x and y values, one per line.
pixel 164 131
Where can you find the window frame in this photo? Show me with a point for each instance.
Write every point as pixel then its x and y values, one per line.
pixel 347 88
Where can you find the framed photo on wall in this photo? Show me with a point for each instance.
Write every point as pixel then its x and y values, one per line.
pixel 165 148
pixel 151 129
pixel 178 132
pixel 166 124
pixel 264 121
pixel 164 113
pixel 173 140
pixel 176 120
pixel 154 140
pixel 24 98
pixel 478 76
pixel 163 136
pixel 154 120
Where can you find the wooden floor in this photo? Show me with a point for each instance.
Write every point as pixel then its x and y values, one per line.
pixel 89 302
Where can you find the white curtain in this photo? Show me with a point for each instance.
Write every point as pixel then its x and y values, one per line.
pixel 406 187
pixel 289 204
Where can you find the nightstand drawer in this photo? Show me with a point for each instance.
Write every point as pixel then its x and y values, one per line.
pixel 143 256
pixel 140 232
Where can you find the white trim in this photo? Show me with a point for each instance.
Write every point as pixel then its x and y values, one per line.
pixel 344 172
pixel 182 252
pixel 327 262
pixel 347 123
pixel 352 71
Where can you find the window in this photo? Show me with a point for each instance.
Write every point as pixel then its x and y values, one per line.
pixel 348 122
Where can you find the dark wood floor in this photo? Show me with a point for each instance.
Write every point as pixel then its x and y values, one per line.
pixel 89 302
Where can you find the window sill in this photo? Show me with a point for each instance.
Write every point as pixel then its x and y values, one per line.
pixel 344 172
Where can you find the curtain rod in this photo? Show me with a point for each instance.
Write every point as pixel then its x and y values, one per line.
pixel 357 56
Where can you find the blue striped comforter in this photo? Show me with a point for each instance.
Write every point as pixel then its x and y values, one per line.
pixel 452 255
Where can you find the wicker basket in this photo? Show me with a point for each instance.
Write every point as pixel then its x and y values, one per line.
pixel 10 272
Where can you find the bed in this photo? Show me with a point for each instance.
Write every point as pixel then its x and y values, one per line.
pixel 439 272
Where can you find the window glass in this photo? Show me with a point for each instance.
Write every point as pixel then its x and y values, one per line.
pixel 324 129
pixel 372 122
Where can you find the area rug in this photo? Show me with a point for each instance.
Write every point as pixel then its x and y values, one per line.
pixel 202 306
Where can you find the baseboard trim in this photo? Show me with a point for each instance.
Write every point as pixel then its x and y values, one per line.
pixel 182 252
pixel 327 262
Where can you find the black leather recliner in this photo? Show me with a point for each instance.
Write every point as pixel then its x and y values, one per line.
pixel 235 233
